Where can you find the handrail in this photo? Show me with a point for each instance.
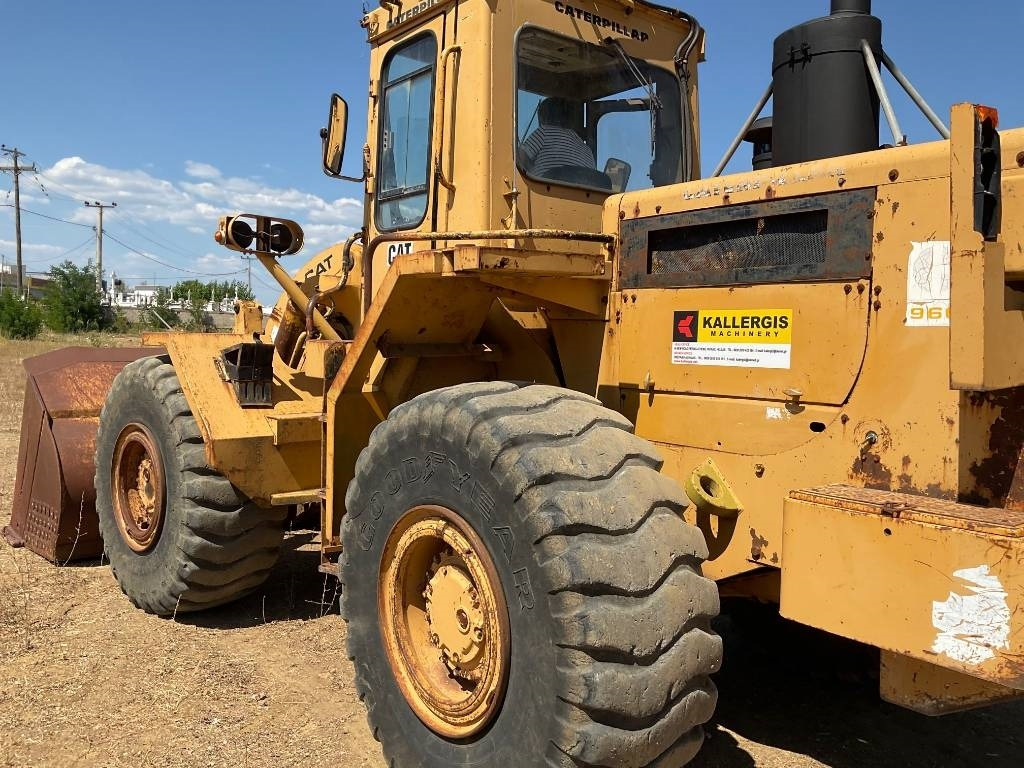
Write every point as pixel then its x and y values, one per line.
pixel 439 126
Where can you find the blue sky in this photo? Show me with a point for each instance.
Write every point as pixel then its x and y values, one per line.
pixel 183 111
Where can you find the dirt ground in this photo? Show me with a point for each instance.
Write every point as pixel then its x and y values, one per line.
pixel 88 680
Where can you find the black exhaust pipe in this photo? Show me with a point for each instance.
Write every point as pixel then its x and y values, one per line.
pixel 851 6
pixel 825 104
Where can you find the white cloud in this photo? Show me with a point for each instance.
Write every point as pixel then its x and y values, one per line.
pixel 199 200
pixel 201 170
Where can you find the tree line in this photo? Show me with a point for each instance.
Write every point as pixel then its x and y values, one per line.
pixel 71 303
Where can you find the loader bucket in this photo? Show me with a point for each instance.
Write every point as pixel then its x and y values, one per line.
pixel 54 511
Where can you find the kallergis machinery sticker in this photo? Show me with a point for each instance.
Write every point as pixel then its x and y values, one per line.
pixel 738 338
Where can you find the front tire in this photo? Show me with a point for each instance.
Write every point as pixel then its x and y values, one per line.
pixel 581 542
pixel 178 535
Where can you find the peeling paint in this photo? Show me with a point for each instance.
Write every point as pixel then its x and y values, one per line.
pixel 758 544
pixel 971 626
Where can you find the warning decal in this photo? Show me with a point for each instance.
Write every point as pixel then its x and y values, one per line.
pixel 928 283
pixel 747 338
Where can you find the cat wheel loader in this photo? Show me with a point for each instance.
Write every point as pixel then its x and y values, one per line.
pixel 560 391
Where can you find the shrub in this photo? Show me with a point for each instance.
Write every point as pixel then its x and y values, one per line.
pixel 72 303
pixel 19 318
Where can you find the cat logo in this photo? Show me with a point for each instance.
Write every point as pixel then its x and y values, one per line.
pixel 398 249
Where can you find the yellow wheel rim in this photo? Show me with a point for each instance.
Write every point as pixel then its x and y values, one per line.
pixel 444 622
pixel 137 485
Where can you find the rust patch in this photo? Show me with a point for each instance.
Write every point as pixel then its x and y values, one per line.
pixel 879 236
pixel 895 207
pixel 999 479
pixel 758 544
pixel 869 470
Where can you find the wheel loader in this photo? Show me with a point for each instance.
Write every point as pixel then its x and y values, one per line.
pixel 561 392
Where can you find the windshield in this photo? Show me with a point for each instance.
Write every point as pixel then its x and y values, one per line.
pixel 590 116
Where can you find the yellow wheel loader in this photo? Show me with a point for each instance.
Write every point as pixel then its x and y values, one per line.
pixel 560 392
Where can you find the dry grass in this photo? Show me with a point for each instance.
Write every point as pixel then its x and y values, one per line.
pixel 88 680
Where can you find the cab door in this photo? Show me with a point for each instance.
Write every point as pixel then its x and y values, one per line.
pixel 402 188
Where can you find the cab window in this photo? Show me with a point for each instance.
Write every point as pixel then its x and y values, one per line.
pixel 592 116
pixel 407 84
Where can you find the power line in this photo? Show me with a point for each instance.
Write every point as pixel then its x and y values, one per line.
pixel 66 253
pixel 72 194
pixel 172 266
pixel 265 284
pixel 164 245
pixel 48 192
pixel 51 218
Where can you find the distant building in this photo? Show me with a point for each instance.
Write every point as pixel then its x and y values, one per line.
pixel 9 275
pixel 141 296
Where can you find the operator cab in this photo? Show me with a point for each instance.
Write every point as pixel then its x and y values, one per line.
pixel 484 125
pixel 588 114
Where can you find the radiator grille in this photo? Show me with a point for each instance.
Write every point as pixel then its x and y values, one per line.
pixel 764 243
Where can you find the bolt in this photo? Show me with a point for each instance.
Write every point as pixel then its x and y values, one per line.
pixel 877 305
pixel 842 181
pixel 878 290
pixel 848 288
pixel 455 658
pixel 1020 159
pixel 478 634
pixel 893 175
pixel 860 286
pixel 759 470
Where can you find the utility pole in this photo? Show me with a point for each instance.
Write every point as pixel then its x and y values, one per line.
pixel 99 240
pixel 17 170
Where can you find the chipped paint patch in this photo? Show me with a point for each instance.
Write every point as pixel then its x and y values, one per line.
pixel 772 413
pixel 971 626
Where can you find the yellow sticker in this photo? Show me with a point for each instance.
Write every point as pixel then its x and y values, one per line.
pixel 754 338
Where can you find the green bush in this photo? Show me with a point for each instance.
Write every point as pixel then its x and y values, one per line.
pixel 19 319
pixel 72 302
pixel 117 321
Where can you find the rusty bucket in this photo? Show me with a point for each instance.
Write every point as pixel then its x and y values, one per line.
pixel 54 511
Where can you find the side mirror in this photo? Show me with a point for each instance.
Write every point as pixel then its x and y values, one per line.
pixel 618 171
pixel 333 136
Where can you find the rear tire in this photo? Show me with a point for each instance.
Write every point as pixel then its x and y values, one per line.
pixel 178 535
pixel 611 645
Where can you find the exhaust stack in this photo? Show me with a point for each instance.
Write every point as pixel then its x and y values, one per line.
pixel 825 104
